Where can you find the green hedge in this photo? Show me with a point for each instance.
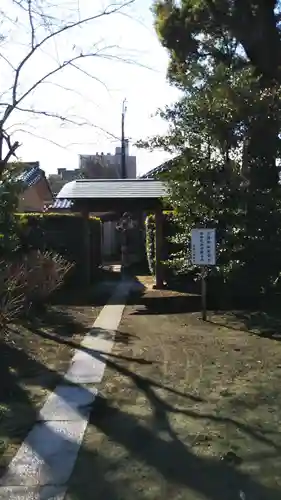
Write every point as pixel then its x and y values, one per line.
pixel 25 216
pixel 150 242
pixel 171 248
pixel 63 234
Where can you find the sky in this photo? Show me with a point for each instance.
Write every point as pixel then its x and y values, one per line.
pixel 130 64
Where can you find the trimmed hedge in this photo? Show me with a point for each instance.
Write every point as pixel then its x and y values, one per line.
pixel 63 234
pixel 45 215
pixel 150 242
pixel 170 247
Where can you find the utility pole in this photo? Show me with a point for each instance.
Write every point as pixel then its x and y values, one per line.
pixel 123 142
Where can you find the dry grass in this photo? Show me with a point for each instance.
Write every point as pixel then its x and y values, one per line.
pixel 192 413
pixel 34 358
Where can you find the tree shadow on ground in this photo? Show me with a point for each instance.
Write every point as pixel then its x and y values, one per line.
pixel 174 461
pixel 57 320
pixel 99 292
pixel 154 304
pixel 263 323
pixel 64 325
pixel 80 294
pixel 266 324
pixel 108 357
pixel 162 407
pixel 15 365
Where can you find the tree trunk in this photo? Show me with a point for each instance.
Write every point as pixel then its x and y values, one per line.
pixel 262 150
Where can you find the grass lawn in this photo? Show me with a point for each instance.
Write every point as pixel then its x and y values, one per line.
pixel 34 357
pixel 187 410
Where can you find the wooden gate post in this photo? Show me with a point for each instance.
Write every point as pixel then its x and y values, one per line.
pixel 87 248
pixel 159 249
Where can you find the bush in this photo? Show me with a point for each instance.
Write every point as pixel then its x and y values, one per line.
pixel 12 298
pixel 62 234
pixel 175 251
pixel 29 282
pixel 44 273
pixel 150 242
pixel 9 192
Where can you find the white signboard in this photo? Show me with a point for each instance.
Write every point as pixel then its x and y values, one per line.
pixel 203 247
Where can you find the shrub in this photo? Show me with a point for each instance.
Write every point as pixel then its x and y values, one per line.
pixel 12 298
pixel 9 192
pixel 150 242
pixel 174 256
pixel 44 273
pixel 29 281
pixel 61 234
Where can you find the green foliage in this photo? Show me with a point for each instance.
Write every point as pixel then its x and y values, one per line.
pixel 10 189
pixel 224 131
pixel 175 250
pixel 150 242
pixel 232 84
pixel 196 31
pixel 47 215
pixel 248 242
pixel 63 234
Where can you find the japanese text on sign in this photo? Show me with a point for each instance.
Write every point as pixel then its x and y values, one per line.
pixel 203 247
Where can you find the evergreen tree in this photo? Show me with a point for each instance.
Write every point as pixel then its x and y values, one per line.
pixel 10 189
pixel 225 129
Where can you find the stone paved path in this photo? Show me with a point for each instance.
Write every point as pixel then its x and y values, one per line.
pixel 41 468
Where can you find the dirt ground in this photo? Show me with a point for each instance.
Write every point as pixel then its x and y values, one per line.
pixel 187 410
pixel 34 356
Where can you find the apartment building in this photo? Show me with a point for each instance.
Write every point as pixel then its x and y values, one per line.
pixel 108 166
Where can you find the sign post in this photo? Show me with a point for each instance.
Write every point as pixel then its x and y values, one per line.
pixel 204 273
pixel 203 254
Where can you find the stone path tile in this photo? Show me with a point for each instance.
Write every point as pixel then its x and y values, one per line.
pixel 68 402
pixel 86 366
pixel 32 493
pixel 41 468
pixel 48 454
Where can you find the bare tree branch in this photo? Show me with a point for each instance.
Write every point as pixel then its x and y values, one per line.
pixel 11 148
pixel 36 20
pixel 30 15
pixel 51 73
pixel 53 115
pixel 11 152
pixel 67 120
pixel 105 12
pixel 126 61
pixel 38 136
pixel 74 91
pixel 88 74
pixel 7 61
pixel 57 144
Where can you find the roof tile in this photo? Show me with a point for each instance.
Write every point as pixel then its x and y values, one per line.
pixel 117 188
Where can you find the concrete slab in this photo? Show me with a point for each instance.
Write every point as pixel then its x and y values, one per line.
pixel 47 456
pixel 32 493
pixel 97 333
pixel 88 367
pixel 85 369
pixel 41 468
pixel 72 403
pixel 111 314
